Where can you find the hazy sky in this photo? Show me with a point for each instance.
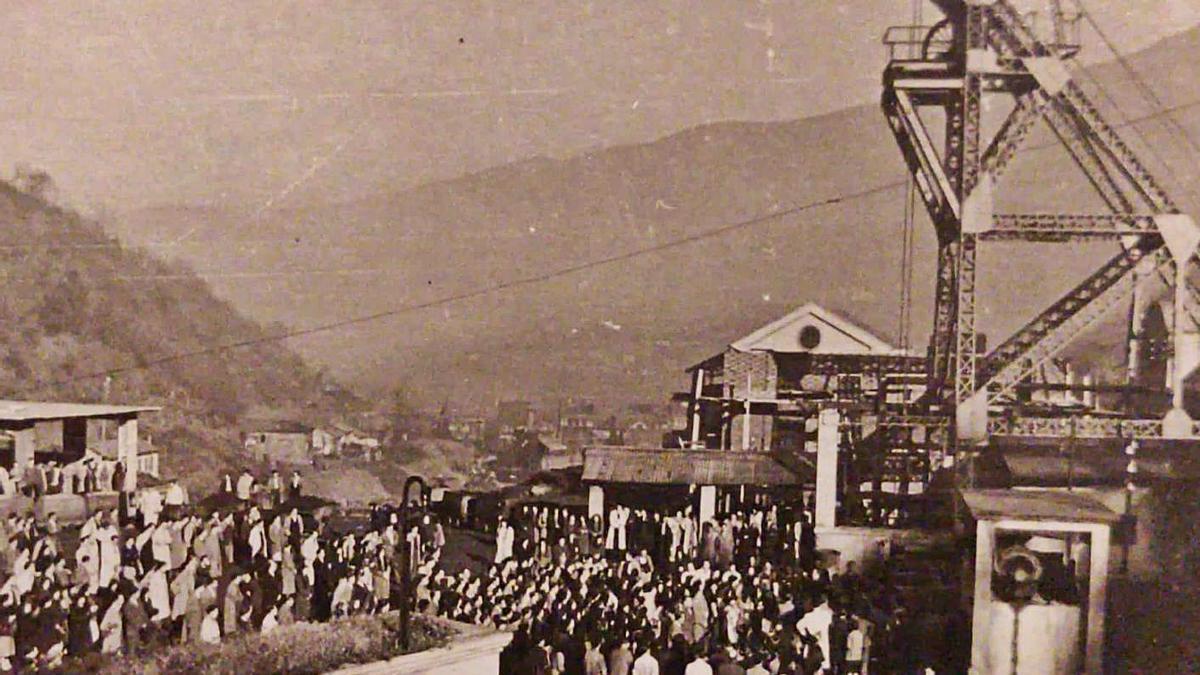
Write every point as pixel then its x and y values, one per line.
pixel 268 102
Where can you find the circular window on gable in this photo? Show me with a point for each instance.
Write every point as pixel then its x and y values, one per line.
pixel 810 337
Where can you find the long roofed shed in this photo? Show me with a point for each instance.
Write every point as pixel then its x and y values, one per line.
pixel 685 467
pixel 46 411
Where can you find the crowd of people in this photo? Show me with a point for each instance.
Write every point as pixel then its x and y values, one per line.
pixel 86 475
pixel 665 593
pixel 145 577
pixel 636 592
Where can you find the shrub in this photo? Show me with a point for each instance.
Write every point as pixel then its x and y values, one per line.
pixel 301 649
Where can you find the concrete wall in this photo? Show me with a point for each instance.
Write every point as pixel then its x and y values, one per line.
pixel 286 448
pixel 858 544
pixel 1167 514
pixel 862 545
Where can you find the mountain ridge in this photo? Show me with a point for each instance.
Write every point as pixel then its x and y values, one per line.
pixel 673 307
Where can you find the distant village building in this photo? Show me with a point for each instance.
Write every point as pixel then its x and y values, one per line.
pixel 577 431
pixel 557 455
pixel 467 430
pixel 513 415
pixel 324 442
pixel 281 443
pixel 644 434
pixel 353 443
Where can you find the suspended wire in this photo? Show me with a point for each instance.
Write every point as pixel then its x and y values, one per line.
pixel 905 261
pixel 910 207
pixel 286 239
pixel 1138 80
pixel 1160 110
pixel 1126 120
pixel 489 289
pixel 912 257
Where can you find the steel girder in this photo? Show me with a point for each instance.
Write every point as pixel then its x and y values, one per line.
pixel 1053 329
pixel 1078 427
pixel 1061 227
pixel 995 52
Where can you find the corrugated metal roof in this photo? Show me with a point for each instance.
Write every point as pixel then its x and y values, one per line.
pixel 32 411
pixel 685 467
pixel 1042 505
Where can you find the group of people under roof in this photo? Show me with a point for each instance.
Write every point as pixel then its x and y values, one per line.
pixel 86 475
pixel 143 578
pixel 745 592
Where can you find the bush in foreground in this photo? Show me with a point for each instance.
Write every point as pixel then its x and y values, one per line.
pixel 301 649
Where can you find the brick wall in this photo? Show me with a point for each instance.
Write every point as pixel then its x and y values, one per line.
pixel 763 376
pixel 760 367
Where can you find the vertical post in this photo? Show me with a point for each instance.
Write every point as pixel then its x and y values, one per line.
pixel 595 501
pixel 745 417
pixel 406 591
pixel 23 448
pixel 981 609
pixel 827 469
pixel 1179 376
pixel 405 575
pixel 1097 593
pixel 708 502
pixel 1131 470
pixel 74 438
pixel 127 450
pixel 746 428
pixel 1137 312
pixel 1070 443
pixel 1089 393
pixel 726 422
pixel 697 392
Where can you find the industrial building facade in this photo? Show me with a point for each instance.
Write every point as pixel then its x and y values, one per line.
pixel 762 393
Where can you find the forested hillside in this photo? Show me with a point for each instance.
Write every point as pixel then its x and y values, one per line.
pixel 86 319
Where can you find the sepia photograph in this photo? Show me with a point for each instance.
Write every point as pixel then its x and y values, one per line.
pixel 632 337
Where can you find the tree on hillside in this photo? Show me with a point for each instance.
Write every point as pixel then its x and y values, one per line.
pixel 66 305
pixel 34 182
pixel 401 411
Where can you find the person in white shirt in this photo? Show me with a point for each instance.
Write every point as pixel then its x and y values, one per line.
pixel 758 666
pixel 698 666
pixel 210 629
pixel 175 497
pixel 244 484
pixel 270 621
pixel 504 542
pixel 817 623
pixel 856 642
pixel 645 664
pixel 151 506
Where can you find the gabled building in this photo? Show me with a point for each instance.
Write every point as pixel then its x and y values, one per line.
pixel 280 443
pixel 761 392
